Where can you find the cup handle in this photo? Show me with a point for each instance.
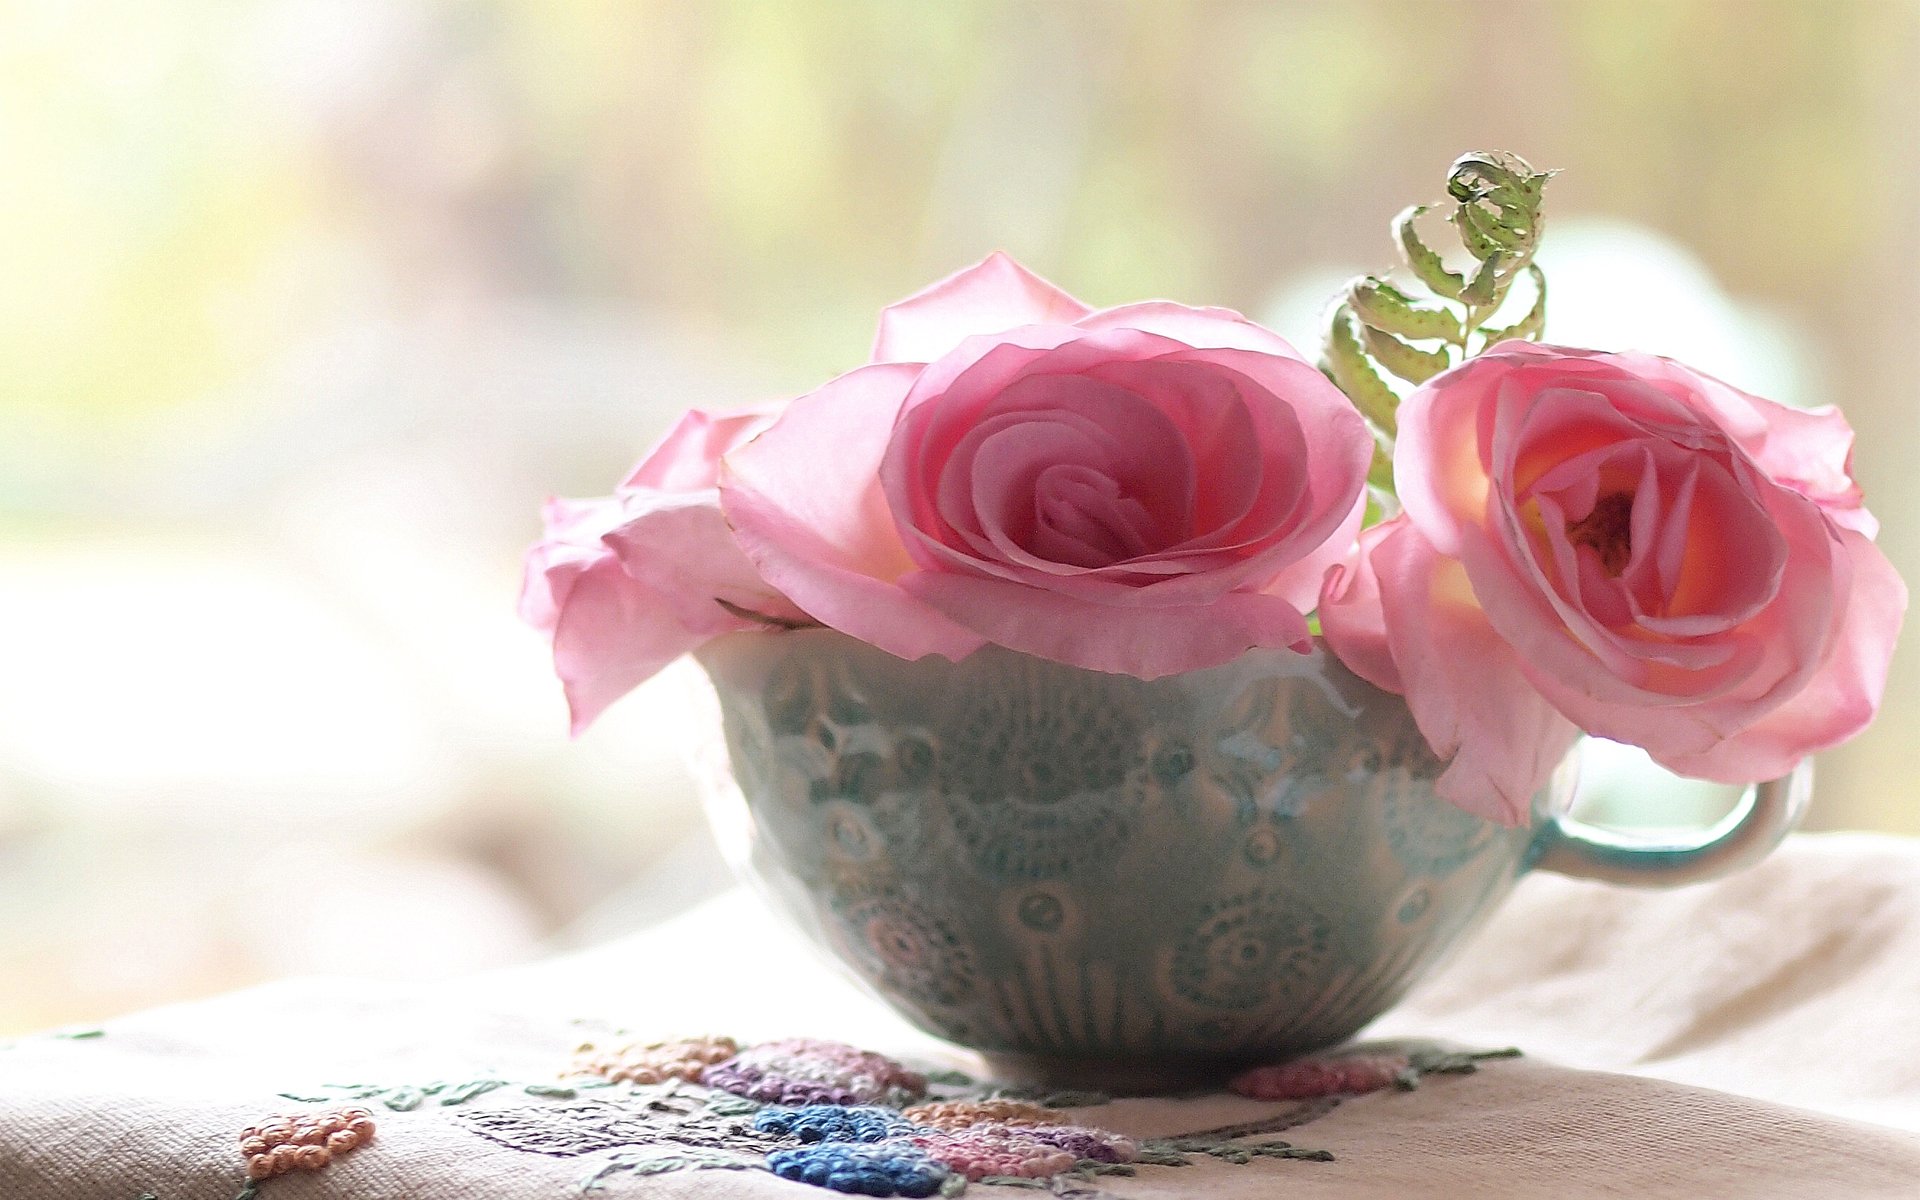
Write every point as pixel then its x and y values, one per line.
pixel 1766 814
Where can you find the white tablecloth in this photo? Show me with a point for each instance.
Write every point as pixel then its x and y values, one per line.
pixel 1754 1037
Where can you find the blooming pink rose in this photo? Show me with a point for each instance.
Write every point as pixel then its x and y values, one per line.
pixel 626 584
pixel 1145 489
pixel 1617 544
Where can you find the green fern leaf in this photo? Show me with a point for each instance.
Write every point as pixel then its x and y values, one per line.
pixel 1384 307
pixel 1408 362
pixel 1425 261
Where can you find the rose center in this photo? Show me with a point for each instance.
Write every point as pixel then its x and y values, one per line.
pixel 1609 530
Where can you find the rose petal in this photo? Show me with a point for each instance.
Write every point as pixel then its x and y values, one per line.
pixel 1298 420
pixel 1502 736
pixel 1645 693
pixel 570 544
pixel 805 504
pixel 1441 452
pixel 1300 584
pixel 610 636
pixel 990 481
pixel 612 627
pixel 1351 616
pixel 687 458
pixel 1839 701
pixel 994 294
pixel 1201 328
pixel 1217 426
pixel 1809 450
pixel 1145 642
pixel 680 547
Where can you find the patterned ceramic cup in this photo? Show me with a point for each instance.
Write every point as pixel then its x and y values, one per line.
pixel 1038 860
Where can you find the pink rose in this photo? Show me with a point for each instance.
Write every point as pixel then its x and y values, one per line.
pixel 1617 544
pixel 625 584
pixel 1144 490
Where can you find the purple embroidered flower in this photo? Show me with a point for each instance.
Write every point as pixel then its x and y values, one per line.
pixel 832 1123
pixel 893 1169
pixel 806 1071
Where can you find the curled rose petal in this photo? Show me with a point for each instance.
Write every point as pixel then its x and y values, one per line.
pixel 995 293
pixel 805 505
pixel 1201 328
pixel 1808 450
pixel 607 641
pixel 625 584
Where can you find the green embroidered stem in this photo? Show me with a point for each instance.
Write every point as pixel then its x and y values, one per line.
pixel 1447 1062
pixel 726 1104
pixel 1089 1168
pixel 406 1097
pixel 1065 1184
pixel 1376 330
pixel 1174 1152
pixel 630 1163
pixel 461 1093
pixel 1050 1099
pixel 1225 1142
pixel 80 1035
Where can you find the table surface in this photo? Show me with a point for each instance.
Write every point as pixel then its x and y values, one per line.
pixel 1751 1037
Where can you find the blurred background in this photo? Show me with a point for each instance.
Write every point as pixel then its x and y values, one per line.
pixel 305 305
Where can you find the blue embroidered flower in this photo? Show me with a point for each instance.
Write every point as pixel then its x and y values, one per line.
pixel 832 1123
pixel 862 1170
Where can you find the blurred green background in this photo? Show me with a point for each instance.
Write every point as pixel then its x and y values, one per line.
pixel 306 304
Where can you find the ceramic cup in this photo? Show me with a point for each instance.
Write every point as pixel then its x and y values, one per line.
pixel 1057 865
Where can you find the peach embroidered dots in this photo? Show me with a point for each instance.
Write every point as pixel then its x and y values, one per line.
pixel 306 1142
pixel 958 1114
pixel 655 1062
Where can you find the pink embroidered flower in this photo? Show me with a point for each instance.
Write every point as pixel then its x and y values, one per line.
pixel 625 584
pixel 981 1150
pixel 1617 544
pixel 1145 489
pixel 1311 1078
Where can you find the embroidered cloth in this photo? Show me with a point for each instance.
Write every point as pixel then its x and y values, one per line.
pixel 1755 1037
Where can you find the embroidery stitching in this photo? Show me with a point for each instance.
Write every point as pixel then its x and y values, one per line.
pixel 845 1119
pixel 306 1142
pixel 1357 1074
pixel 654 1062
pixel 572 1130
